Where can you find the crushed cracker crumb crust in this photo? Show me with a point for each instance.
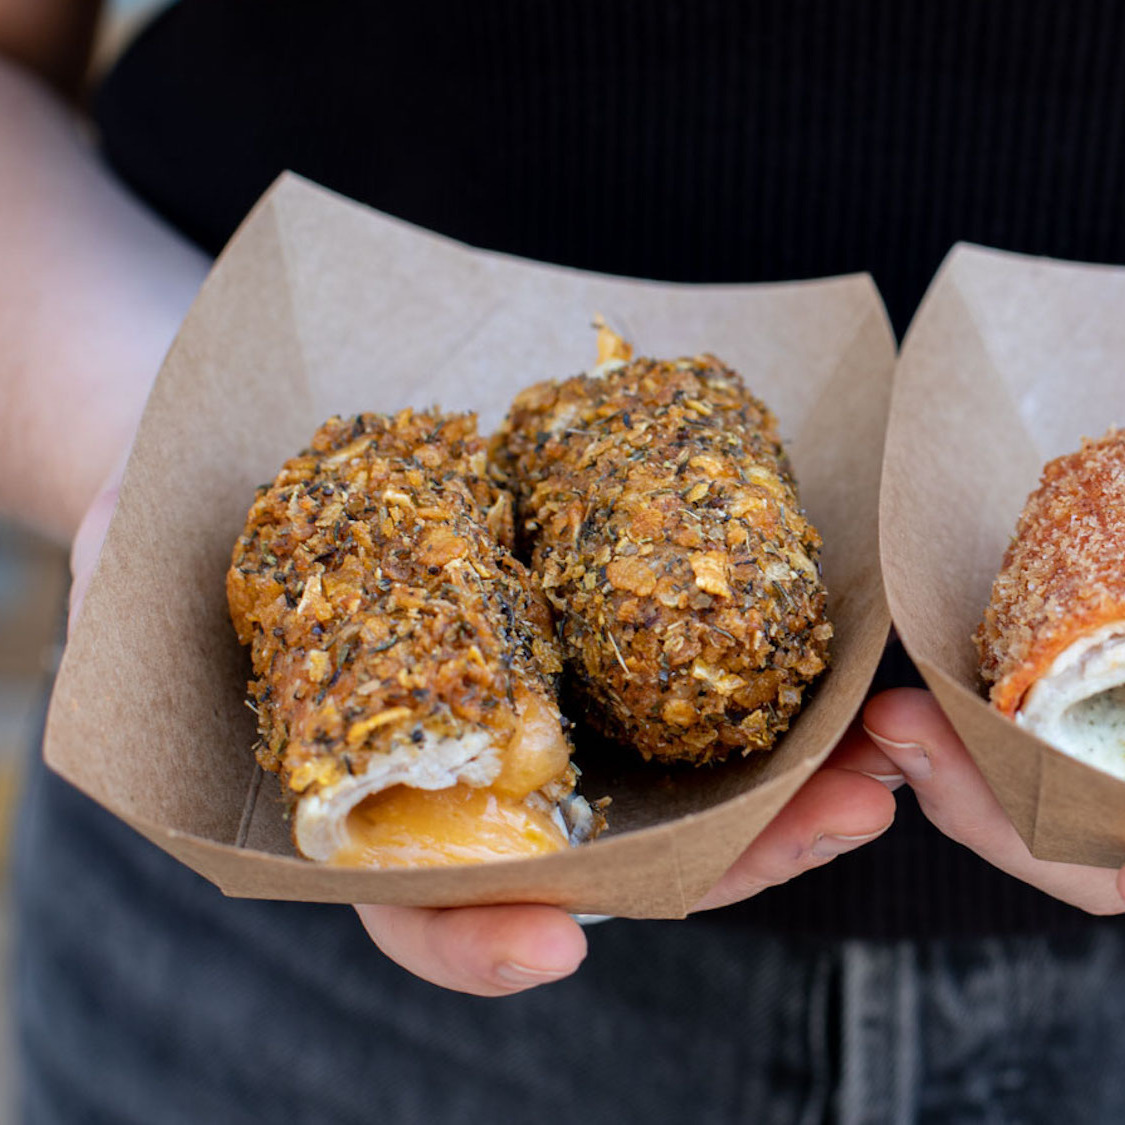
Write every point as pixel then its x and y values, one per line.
pixel 375 585
pixel 1062 575
pixel 661 515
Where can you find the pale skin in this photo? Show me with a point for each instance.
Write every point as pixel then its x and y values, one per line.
pixel 92 288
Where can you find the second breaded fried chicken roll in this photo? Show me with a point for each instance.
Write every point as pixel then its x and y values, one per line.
pixel 404 660
pixel 1052 642
pixel 661 515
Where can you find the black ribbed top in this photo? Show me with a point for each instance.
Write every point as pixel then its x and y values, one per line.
pixel 688 140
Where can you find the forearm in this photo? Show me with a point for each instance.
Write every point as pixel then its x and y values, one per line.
pixel 92 289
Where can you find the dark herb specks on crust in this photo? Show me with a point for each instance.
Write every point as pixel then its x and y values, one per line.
pixel 374 584
pixel 661 516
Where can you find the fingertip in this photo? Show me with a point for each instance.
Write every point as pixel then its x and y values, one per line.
pixel 911 729
pixel 858 753
pixel 835 811
pixel 833 802
pixel 851 803
pixel 875 808
pixel 485 951
pixel 894 713
pixel 882 800
pixel 537 945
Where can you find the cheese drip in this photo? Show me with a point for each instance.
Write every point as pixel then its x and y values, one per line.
pixel 406 827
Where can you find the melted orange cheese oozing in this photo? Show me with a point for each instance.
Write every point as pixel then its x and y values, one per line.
pixel 537 752
pixel 404 827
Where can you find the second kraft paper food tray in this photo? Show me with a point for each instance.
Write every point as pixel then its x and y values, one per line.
pixel 1010 361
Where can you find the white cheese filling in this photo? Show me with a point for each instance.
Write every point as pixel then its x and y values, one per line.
pixel 321 819
pixel 1079 705
pixel 321 827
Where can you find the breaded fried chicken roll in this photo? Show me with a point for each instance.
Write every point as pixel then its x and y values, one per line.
pixel 404 660
pixel 1052 642
pixel 661 515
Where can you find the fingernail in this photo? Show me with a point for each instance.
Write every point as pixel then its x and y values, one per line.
pixel 592 919
pixel 510 972
pixel 824 847
pixel 910 757
pixel 890 780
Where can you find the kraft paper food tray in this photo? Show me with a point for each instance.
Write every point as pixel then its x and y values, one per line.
pixel 321 306
pixel 1009 362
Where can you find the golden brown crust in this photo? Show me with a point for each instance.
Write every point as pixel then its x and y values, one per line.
pixel 1062 575
pixel 662 519
pixel 372 585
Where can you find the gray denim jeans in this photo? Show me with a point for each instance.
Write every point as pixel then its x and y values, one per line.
pixel 144 996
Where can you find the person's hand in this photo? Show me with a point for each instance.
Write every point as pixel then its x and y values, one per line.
pixel 498 950
pixel 909 727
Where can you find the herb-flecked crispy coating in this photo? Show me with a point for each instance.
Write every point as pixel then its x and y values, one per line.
pixel 1062 576
pixel 661 515
pixel 374 583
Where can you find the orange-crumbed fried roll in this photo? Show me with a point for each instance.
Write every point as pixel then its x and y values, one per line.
pixel 404 659
pixel 662 518
pixel 1052 642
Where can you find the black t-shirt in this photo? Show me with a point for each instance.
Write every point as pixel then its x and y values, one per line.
pixel 689 140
